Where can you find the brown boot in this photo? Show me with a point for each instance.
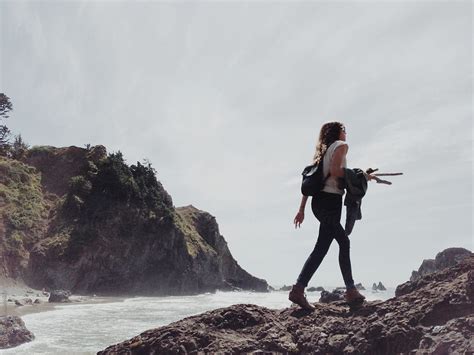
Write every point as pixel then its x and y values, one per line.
pixel 298 296
pixel 353 296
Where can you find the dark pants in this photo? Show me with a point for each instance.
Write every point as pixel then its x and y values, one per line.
pixel 327 209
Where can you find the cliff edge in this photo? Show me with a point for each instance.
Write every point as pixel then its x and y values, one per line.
pixel 437 316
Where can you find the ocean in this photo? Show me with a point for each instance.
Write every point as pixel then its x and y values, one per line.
pixel 87 328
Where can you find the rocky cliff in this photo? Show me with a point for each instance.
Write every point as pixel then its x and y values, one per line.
pixel 433 315
pixel 443 259
pixel 85 221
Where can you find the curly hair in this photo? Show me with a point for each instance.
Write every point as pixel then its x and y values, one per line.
pixel 329 133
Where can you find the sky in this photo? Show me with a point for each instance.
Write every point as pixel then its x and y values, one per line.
pixel 226 99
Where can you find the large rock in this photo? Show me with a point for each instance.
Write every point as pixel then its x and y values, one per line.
pixel 444 259
pixel 437 315
pixel 13 332
pixel 59 296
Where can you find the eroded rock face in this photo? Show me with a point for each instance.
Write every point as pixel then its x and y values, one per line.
pixel 13 332
pixel 444 259
pixel 436 315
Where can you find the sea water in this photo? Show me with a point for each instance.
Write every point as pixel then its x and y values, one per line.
pixel 90 327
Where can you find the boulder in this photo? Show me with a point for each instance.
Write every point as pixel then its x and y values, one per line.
pixel 13 332
pixel 335 295
pixel 59 296
pixel 435 317
pixel 381 287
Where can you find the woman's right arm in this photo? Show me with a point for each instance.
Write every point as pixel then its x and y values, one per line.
pixel 300 215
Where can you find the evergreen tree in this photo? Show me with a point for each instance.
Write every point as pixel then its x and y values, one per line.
pixel 5 107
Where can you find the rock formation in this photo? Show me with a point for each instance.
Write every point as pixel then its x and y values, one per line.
pixel 13 332
pixel 446 258
pixel 432 315
pixel 59 296
pixel 82 220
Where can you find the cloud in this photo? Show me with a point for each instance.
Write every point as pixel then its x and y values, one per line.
pixel 226 99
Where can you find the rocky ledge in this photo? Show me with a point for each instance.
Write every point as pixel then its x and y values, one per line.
pixel 435 315
pixel 13 332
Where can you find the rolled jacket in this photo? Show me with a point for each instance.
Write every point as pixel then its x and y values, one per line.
pixel 356 186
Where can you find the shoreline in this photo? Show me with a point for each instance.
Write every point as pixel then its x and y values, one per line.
pixel 18 291
pixel 21 311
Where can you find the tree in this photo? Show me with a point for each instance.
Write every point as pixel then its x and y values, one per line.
pixel 5 107
pixel 19 148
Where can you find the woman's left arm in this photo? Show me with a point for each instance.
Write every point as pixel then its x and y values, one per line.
pixel 336 164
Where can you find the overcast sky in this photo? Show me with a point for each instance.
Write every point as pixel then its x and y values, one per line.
pixel 226 100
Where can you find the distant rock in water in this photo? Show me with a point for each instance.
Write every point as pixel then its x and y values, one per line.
pixel 81 220
pixel 13 332
pixel 360 287
pixel 446 258
pixel 285 288
pixel 315 289
pixel 335 295
pixel 434 317
pixel 378 287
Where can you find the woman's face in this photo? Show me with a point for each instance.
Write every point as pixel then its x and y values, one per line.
pixel 342 134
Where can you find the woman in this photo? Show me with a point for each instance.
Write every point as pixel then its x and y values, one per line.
pixel 327 206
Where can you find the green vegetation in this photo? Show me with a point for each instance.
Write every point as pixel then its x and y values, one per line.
pixel 5 107
pixel 22 205
pixel 107 199
pixel 19 148
pixel 115 200
pixel 40 149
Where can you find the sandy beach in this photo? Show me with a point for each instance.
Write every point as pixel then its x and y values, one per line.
pixel 11 291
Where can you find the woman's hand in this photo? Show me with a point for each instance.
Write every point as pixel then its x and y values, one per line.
pixel 299 219
pixel 369 176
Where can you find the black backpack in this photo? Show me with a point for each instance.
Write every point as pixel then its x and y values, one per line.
pixel 313 179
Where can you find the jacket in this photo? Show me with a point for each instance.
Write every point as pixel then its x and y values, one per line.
pixel 356 187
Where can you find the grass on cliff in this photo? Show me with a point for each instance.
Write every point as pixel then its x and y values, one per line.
pixel 184 219
pixel 22 204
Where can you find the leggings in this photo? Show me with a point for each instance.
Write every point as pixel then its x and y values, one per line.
pixel 327 209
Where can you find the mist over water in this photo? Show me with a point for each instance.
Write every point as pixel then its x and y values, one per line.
pixel 88 328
